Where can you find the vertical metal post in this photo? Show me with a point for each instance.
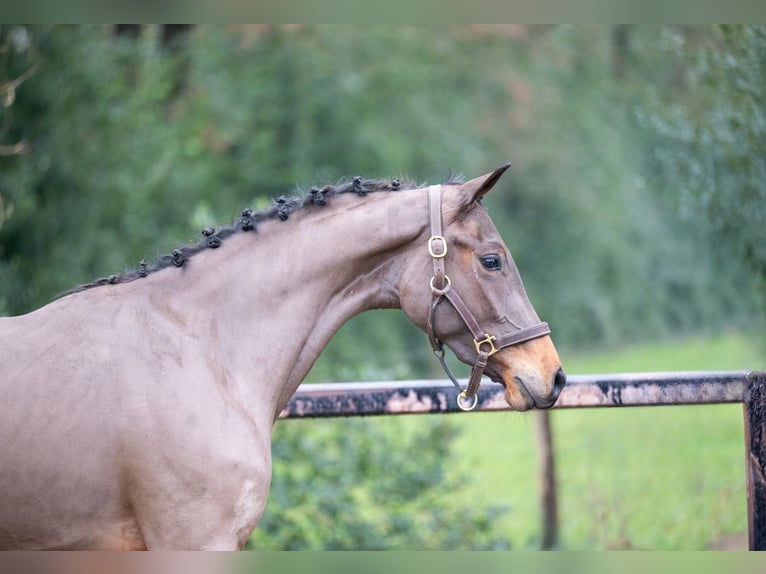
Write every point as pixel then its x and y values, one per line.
pixel 755 463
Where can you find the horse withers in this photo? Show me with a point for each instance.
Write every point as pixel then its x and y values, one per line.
pixel 137 409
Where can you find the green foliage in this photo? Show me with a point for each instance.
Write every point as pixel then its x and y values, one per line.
pixel 92 193
pixel 134 147
pixel 599 241
pixel 371 484
pixel 713 136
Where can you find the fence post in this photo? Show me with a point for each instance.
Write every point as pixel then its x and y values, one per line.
pixel 755 463
pixel 547 475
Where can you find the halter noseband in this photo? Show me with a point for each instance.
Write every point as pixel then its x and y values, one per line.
pixel 441 289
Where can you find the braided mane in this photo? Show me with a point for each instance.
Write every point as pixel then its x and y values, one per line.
pixel 248 222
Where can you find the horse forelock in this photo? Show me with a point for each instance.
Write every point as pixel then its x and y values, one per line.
pixel 249 220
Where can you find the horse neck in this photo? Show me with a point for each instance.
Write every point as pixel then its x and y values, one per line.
pixel 276 297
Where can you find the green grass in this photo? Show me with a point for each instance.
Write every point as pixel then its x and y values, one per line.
pixel 726 351
pixel 657 478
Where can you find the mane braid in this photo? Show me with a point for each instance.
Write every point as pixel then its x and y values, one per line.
pixel 249 220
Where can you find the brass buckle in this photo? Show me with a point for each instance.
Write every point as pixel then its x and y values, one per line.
pixel 489 340
pixel 431 246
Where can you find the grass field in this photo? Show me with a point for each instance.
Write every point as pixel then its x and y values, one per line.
pixel 660 478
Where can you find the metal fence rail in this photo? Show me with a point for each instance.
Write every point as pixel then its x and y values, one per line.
pixel 619 390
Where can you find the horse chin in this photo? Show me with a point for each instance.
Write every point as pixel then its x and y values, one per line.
pixel 517 396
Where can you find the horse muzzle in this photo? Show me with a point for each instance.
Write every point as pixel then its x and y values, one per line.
pixel 522 394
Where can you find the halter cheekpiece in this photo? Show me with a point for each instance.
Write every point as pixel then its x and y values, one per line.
pixel 441 288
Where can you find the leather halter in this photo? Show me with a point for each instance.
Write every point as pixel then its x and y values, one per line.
pixel 441 289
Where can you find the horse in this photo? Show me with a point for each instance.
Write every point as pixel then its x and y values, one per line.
pixel 138 409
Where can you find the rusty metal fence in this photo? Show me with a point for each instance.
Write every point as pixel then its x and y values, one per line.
pixel 621 390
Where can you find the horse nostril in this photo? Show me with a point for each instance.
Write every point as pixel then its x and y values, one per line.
pixel 558 383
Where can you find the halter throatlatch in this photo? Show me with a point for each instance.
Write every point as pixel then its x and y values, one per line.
pixel 441 288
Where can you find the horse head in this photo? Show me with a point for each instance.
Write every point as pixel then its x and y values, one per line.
pixel 464 289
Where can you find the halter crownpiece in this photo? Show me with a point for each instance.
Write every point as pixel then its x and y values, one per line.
pixel 441 288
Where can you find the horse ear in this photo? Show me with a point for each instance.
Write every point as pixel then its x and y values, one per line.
pixel 477 188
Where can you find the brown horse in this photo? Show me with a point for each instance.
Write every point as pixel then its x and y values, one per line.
pixel 137 410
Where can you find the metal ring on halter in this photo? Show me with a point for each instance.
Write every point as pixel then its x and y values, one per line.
pixel 447 285
pixel 466 407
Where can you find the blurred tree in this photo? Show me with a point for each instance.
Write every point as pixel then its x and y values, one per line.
pixel 620 50
pixel 712 138
pixel 136 146
pixel 605 256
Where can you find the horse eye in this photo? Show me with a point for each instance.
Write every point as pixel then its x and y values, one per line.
pixel 492 263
